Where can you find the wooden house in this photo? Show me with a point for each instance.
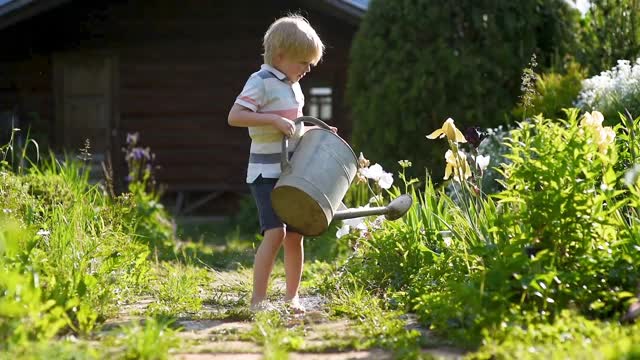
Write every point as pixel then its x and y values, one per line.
pixel 72 70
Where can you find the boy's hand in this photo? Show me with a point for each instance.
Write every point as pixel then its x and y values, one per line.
pixel 334 129
pixel 286 126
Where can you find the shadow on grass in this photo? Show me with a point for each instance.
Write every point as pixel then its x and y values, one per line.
pixel 223 245
pixel 217 244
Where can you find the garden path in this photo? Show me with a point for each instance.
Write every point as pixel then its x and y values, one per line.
pixel 221 329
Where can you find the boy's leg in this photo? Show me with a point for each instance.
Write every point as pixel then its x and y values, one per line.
pixel 263 264
pixel 293 260
pixel 273 231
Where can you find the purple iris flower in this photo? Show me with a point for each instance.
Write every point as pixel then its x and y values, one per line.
pixel 139 153
pixel 132 138
pixel 474 136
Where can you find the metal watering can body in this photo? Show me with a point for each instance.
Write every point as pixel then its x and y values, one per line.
pixel 309 192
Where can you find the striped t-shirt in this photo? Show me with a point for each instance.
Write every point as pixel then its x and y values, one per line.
pixel 268 91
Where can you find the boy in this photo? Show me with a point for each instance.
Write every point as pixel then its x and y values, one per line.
pixel 268 103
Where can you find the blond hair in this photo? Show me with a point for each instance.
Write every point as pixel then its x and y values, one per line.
pixel 292 36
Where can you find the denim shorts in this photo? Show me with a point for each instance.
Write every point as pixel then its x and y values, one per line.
pixel 261 191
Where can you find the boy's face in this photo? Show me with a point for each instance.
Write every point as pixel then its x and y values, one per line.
pixel 294 69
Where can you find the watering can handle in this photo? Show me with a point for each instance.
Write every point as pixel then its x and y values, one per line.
pixel 284 159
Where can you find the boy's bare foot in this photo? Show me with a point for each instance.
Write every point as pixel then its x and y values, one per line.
pixel 261 306
pixel 295 305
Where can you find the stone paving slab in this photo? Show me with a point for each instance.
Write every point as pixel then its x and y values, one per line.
pixel 349 355
pixel 226 347
pixel 237 356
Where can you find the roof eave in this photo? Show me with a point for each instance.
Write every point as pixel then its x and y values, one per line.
pixel 18 10
pixel 354 11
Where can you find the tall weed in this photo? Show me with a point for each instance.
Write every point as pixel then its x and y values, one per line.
pixel 77 257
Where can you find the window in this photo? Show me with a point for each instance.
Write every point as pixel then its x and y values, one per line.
pixel 320 103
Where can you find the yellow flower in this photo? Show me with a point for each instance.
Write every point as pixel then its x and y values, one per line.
pixel 457 165
pixel 592 120
pixel 449 130
pixel 605 137
pixel 362 162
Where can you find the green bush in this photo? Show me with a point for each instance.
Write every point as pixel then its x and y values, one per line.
pixel 563 234
pixel 571 336
pixel 566 221
pixel 416 63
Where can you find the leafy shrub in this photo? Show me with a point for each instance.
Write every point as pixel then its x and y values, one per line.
pixel 569 337
pixel 24 313
pixel 613 91
pixel 16 199
pixel 558 234
pixel 629 156
pixel 415 63
pixel 563 234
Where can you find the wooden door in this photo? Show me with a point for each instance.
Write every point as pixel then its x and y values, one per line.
pixel 84 102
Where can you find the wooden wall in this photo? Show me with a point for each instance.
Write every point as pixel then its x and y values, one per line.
pixel 180 64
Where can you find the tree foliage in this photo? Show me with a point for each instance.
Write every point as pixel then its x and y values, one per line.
pixel 417 62
pixel 609 31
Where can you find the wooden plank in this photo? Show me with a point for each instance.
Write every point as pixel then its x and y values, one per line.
pixel 177 147
pixel 165 123
pixel 202 181
pixel 213 168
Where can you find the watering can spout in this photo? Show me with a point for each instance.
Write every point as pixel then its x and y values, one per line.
pixel 395 210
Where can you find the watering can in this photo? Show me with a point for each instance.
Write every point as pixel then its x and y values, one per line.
pixel 309 192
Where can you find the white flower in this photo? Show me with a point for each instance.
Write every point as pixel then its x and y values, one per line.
pixel 632 175
pixel 357 223
pixel 482 162
pixel 376 173
pixel 43 232
pixel 386 180
pixel 611 89
pixel 446 237
pixel 344 230
pixel 377 223
pixel 373 172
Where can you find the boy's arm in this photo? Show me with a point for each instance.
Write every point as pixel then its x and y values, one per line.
pixel 242 117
